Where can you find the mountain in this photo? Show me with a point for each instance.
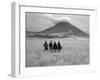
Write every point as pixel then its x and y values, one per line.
pixel 65 27
pixel 61 29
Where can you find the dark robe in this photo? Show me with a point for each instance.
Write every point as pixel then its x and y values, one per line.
pixel 59 45
pixel 55 46
pixel 46 45
pixel 51 45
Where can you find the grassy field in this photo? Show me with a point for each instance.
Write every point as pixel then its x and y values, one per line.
pixel 75 51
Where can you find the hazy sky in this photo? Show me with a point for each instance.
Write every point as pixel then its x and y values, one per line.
pixel 40 21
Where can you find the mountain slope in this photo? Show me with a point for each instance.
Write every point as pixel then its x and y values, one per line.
pixel 65 27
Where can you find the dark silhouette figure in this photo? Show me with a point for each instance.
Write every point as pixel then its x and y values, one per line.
pixel 54 46
pixel 59 45
pixel 51 45
pixel 45 45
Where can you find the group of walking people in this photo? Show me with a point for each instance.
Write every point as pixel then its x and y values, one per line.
pixel 52 46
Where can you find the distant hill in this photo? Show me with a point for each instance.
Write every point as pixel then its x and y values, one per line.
pixel 65 27
pixel 61 29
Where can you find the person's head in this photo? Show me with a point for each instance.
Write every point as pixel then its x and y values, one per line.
pixel 55 42
pixel 45 41
pixel 51 41
pixel 58 41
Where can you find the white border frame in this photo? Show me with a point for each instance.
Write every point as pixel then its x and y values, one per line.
pixel 18 41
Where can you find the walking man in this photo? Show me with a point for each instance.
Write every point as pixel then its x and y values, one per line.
pixel 55 46
pixel 59 45
pixel 46 46
pixel 51 45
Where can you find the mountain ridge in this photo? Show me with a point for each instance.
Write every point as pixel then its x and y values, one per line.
pixel 65 27
pixel 61 29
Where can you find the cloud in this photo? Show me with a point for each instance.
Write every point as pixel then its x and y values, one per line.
pixel 55 20
pixel 67 19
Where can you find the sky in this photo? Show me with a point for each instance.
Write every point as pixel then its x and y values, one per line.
pixel 40 21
